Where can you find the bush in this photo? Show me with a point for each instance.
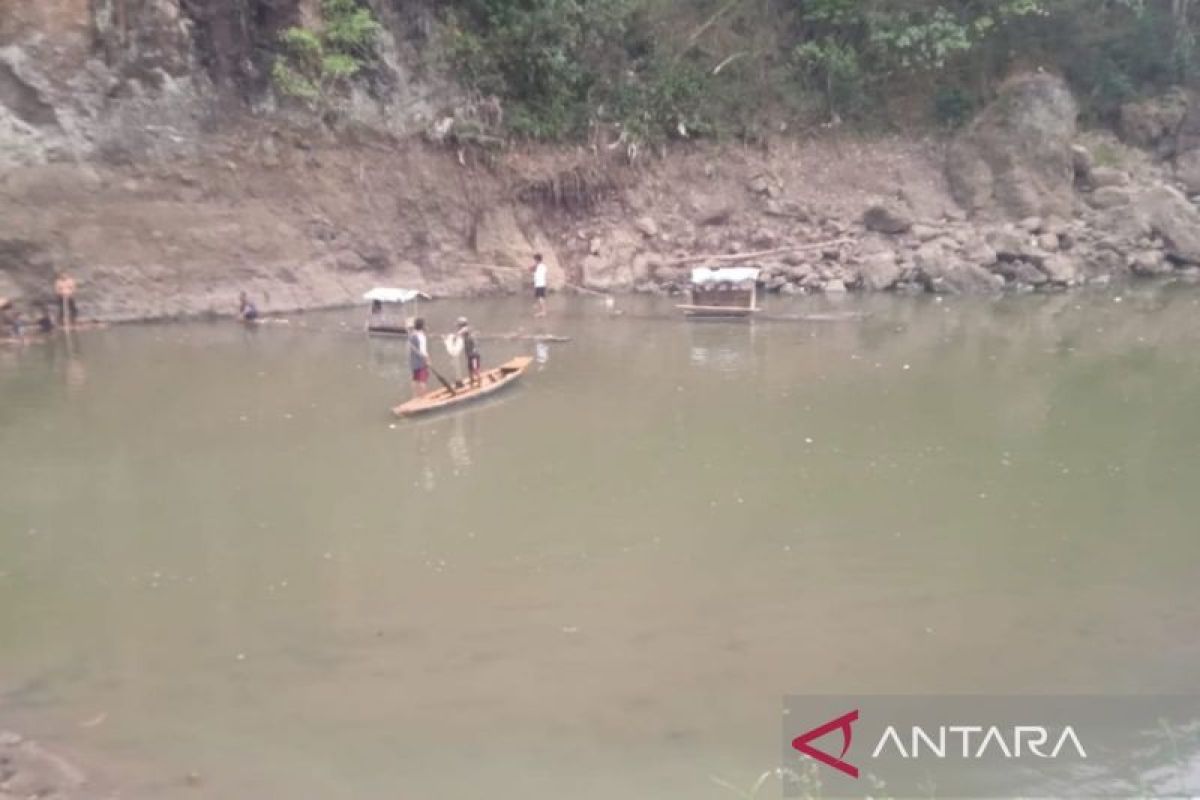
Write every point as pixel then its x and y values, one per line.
pixel 313 66
pixel 953 106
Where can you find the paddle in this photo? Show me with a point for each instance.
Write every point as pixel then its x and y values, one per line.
pixel 438 375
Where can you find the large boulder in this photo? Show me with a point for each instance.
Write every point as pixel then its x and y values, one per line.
pixel 1062 269
pixel 1154 123
pixel 616 262
pixel 1176 220
pixel 1187 171
pixel 883 217
pixel 879 271
pixel 944 272
pixel 1016 158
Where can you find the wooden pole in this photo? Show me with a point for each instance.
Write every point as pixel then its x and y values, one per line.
pixel 758 253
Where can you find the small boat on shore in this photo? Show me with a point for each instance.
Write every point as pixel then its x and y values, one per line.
pixel 491 381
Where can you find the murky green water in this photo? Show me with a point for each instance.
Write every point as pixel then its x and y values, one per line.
pixel 219 556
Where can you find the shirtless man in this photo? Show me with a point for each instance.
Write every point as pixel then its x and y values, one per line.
pixel 64 288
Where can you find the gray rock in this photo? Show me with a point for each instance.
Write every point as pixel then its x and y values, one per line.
pixel 1110 197
pixel 1048 242
pixel 1062 270
pixel 646 226
pixel 879 271
pixel 1153 123
pixel 1031 224
pixel 981 253
pixel 761 184
pixel 1009 244
pixel 925 233
pixel 1021 273
pixel 944 273
pixel 1187 171
pixel 1082 164
pixel 1175 219
pixel 1149 263
pixel 834 286
pixel 713 211
pixel 887 218
pixel 1016 157
pixel 1108 176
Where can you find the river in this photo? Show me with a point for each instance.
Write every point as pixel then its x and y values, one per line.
pixel 221 558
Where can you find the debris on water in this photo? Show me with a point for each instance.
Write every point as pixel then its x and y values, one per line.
pixel 94 721
pixel 569 629
pixel 193 779
pixel 328 556
pixel 906 367
pixel 241 656
pixel 392 426
pixel 243 418
pixel 929 630
pixel 808 440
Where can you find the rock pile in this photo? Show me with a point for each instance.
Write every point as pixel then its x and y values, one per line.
pixel 1042 207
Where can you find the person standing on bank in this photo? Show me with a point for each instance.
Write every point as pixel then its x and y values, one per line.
pixel 418 357
pixel 541 274
pixel 64 287
pixel 470 350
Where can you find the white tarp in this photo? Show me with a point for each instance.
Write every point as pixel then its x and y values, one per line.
pixel 386 295
pixel 702 275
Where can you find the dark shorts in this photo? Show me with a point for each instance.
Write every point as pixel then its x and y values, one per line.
pixel 539 292
pixel 421 375
pixel 473 362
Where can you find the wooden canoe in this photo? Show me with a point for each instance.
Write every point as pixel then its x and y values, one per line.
pixel 381 329
pixel 492 380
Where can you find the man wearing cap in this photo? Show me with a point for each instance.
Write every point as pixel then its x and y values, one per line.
pixel 470 350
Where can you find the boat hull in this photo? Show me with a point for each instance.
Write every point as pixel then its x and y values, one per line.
pixel 492 381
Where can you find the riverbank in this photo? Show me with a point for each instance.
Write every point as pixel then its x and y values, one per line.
pixel 1017 202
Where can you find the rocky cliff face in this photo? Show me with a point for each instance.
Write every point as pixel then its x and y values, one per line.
pixel 120 80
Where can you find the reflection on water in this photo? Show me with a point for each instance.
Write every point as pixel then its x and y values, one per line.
pixel 607 577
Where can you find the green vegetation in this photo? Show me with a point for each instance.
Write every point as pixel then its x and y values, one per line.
pixel 650 70
pixel 659 69
pixel 313 66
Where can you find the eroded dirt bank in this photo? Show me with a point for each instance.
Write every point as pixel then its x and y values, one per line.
pixel 1020 201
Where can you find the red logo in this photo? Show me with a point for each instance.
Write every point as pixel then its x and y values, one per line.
pixel 803 743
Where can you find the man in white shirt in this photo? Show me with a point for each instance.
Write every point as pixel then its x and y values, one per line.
pixel 540 276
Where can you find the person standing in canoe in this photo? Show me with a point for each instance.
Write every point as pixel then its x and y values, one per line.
pixel 541 274
pixel 470 351
pixel 418 357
